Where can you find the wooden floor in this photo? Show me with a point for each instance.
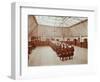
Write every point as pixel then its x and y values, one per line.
pixel 41 56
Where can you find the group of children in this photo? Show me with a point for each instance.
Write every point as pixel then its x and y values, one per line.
pixel 64 51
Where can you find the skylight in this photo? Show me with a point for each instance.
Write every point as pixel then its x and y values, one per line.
pixel 59 21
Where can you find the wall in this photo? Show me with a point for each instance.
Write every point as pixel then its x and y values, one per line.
pixel 80 29
pixel 32 27
pixel 52 32
pixel 77 31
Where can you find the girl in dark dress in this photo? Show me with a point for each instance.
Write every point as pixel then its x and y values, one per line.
pixel 71 52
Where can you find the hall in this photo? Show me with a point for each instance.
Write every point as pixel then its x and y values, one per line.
pixel 57 40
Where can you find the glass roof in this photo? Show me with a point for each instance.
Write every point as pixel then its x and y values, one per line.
pixel 59 21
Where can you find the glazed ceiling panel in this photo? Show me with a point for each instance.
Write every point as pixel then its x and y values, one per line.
pixel 59 21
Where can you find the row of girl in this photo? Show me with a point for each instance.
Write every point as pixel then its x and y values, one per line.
pixel 64 51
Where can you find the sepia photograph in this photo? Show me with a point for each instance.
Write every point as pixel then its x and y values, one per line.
pixel 57 40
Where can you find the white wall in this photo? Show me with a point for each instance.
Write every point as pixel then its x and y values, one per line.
pixel 49 31
pixel 52 32
pixel 80 29
pixel 76 31
pixel 32 27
